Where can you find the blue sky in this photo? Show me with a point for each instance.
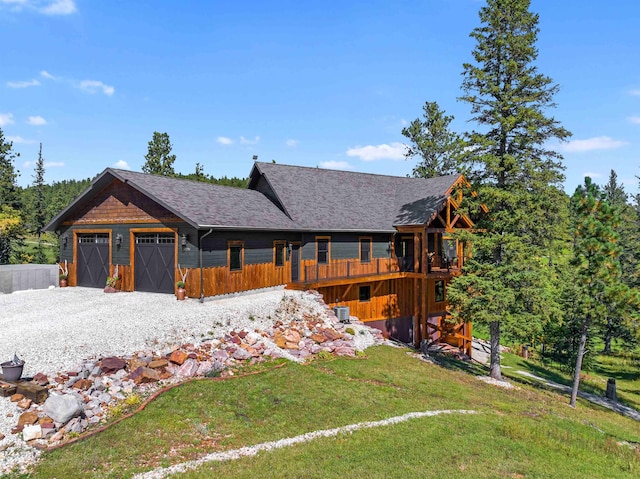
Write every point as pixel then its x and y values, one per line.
pixel 328 84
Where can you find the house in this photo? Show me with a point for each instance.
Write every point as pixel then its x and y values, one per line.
pixel 377 244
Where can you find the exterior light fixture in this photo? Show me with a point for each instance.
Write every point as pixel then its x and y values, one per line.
pixel 65 240
pixel 183 239
pixel 118 239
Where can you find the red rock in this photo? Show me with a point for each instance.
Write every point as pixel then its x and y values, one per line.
pixel 112 364
pixel 318 338
pixel 243 334
pixel 16 398
pixel 279 339
pixel 165 375
pixel 178 357
pixel 292 336
pixel 290 345
pixel 1 436
pixel 73 373
pixel 82 384
pixel 41 379
pixel 236 340
pixel 27 418
pixel 188 369
pixel 158 363
pixel 193 356
pixel 143 375
pixel 24 403
pixel 331 335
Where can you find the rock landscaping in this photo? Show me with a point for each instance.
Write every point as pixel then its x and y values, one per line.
pixel 63 405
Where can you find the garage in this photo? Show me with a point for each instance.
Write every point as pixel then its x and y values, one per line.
pixel 93 259
pixel 154 262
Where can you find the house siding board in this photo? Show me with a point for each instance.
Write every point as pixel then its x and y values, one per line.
pixel 309 247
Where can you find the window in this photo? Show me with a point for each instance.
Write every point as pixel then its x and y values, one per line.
pixel 279 253
pixel 323 250
pixel 365 293
pixel 235 256
pixel 365 250
pixel 439 296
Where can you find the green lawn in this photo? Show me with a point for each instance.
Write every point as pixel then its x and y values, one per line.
pixel 524 433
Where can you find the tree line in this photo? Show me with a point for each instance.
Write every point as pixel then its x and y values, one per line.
pixel 548 270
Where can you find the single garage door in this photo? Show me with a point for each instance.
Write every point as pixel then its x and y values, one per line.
pixel 155 262
pixel 93 259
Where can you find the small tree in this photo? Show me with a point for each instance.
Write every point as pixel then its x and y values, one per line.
pixel 159 158
pixel 39 207
pixel 595 264
pixel 437 148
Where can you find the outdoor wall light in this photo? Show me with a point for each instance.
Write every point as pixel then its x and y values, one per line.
pixel 183 239
pixel 118 239
pixel 65 240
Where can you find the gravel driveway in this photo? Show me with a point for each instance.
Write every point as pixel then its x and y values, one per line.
pixel 53 330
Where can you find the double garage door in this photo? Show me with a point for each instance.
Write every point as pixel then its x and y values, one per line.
pixel 154 260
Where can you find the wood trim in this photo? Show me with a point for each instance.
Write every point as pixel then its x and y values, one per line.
pixel 328 239
pixel 229 245
pixel 370 240
pixel 132 246
pixel 284 253
pixel 120 222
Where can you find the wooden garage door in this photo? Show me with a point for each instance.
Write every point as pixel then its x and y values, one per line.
pixel 93 259
pixel 155 262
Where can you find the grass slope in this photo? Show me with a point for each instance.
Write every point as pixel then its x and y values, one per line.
pixel 524 433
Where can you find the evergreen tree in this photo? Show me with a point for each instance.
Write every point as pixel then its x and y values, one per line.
pixel 595 264
pixel 159 158
pixel 39 207
pixel 9 194
pixel 516 175
pixel 438 148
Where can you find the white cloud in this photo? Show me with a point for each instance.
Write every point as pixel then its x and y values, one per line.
pixel 93 86
pixel 223 140
pixel 591 174
pixel 123 165
pixel 634 119
pixel 291 143
pixel 634 92
pixel 245 141
pixel 47 75
pixel 6 119
pixel 336 165
pixel 36 120
pixel 595 143
pixel 28 164
pixel 60 7
pixel 22 84
pixel 18 140
pixel 46 7
pixel 393 151
pixel 53 164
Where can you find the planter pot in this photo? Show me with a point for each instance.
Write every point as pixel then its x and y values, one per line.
pixel 181 294
pixel 11 371
pixel 63 283
pixel 110 289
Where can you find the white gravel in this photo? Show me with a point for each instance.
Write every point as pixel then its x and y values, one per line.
pixel 54 330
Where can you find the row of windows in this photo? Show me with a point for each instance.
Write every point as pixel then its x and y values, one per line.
pixel 322 250
pixel 364 292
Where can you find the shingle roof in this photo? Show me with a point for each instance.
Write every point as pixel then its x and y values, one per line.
pixel 200 204
pixel 313 199
pixel 320 199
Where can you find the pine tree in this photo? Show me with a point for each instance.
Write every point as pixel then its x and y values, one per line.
pixel 439 149
pixel 516 175
pixel 39 207
pixel 159 160
pixel 595 264
pixel 9 194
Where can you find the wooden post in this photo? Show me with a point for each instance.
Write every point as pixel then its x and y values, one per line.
pixel 611 390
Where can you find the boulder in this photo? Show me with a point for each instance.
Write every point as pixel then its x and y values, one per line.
pixel 32 432
pixel 61 408
pixel 27 418
pixel 188 369
pixel 112 364
pixel 178 357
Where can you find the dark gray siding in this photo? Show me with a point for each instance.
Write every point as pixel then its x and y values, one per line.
pixel 380 246
pixel 188 255
pixel 66 252
pixel 258 247
pixel 309 247
pixel 345 246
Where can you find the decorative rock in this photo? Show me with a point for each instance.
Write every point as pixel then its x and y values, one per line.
pixel 178 357
pixel 32 432
pixel 41 379
pixel 241 354
pixel 318 338
pixel 27 418
pixel 158 363
pixel 112 364
pixel 61 408
pixel 24 403
pixel 1 436
pixel 188 368
pixel 16 398
pixel 82 384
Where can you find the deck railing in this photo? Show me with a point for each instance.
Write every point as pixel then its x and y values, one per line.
pixel 349 269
